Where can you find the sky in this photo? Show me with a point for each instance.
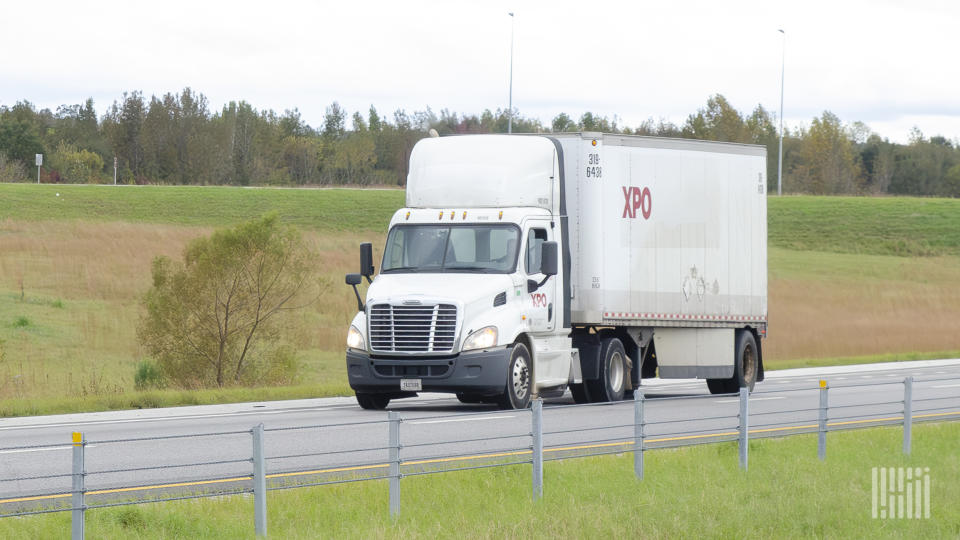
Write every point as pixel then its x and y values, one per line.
pixel 889 64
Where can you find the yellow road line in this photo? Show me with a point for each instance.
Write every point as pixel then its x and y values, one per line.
pixel 463 458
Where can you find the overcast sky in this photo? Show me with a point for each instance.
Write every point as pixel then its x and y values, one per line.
pixel 890 64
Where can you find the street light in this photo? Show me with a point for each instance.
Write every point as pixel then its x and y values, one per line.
pixel 783 55
pixel 510 111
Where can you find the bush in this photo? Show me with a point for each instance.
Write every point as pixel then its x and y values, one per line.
pixel 147 376
pixel 216 318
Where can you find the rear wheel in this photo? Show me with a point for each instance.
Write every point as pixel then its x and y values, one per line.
pixel 516 394
pixel 746 367
pixel 374 402
pixel 613 373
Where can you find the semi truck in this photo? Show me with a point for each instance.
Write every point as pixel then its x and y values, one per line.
pixel 529 265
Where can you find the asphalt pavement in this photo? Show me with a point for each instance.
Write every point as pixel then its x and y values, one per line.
pixel 156 452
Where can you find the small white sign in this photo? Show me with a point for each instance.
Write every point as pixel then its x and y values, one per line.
pixel 411 385
pixel 39 160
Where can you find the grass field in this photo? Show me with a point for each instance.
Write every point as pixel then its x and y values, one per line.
pixel 689 492
pixel 73 267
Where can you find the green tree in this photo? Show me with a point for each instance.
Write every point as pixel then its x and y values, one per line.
pixel 216 319
pixel 827 161
pixel 75 165
pixel 562 122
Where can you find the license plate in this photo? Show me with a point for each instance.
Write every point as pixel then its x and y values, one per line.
pixel 411 385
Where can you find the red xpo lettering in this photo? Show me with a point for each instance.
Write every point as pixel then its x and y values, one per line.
pixel 636 199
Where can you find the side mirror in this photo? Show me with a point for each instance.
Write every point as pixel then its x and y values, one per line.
pixel 354 280
pixel 549 258
pixel 366 260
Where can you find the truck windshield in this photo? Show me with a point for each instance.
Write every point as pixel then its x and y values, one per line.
pixel 451 248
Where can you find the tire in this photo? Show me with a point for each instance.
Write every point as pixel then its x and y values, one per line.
pixel 469 399
pixel 516 392
pixel 579 392
pixel 373 402
pixel 613 373
pixel 746 367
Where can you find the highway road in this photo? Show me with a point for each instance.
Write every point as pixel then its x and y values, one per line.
pixel 203 448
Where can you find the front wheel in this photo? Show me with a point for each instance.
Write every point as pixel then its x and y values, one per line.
pixel 373 402
pixel 516 394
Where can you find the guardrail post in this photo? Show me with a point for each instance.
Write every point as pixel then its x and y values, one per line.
pixel 259 483
pixel 822 429
pixel 744 426
pixel 638 426
pixel 537 435
pixel 77 515
pixel 907 413
pixel 394 445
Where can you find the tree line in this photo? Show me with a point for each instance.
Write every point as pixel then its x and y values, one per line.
pixel 177 139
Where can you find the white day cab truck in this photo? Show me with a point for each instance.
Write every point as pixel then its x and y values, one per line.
pixel 528 265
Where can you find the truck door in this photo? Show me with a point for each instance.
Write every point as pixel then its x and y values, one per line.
pixel 539 307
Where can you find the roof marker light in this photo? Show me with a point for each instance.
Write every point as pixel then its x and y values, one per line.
pixel 408 215
pixel 501 214
pixel 464 214
pixel 452 213
pixel 441 215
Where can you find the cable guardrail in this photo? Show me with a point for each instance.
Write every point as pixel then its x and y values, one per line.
pixel 320 466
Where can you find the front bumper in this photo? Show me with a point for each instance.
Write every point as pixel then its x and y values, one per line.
pixel 476 372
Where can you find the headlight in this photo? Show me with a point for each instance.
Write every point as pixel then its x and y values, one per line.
pixel 481 339
pixel 355 339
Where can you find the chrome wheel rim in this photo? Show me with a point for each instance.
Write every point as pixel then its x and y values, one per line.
pixel 521 377
pixel 616 372
pixel 749 367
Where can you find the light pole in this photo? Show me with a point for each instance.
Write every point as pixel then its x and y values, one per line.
pixel 783 55
pixel 510 110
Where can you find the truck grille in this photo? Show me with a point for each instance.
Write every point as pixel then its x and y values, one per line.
pixel 412 329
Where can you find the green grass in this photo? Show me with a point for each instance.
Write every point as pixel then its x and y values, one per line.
pixel 902 226
pixel 319 209
pixel 689 492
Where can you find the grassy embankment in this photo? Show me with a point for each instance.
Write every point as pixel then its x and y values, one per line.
pixel 694 491
pixel 850 280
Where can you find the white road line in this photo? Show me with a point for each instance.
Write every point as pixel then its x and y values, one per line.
pixel 840 378
pixel 866 376
pixel 947 386
pixel 941 373
pixel 751 399
pixel 27 450
pixel 468 419
pixel 169 418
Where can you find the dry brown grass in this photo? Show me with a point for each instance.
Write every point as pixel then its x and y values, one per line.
pixel 82 283
pixel 835 305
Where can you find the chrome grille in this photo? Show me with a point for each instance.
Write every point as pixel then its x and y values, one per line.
pixel 412 329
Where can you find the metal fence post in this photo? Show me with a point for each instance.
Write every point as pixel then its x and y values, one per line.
pixel 77 515
pixel 537 435
pixel 907 413
pixel 259 483
pixel 638 426
pixel 744 426
pixel 394 445
pixel 822 429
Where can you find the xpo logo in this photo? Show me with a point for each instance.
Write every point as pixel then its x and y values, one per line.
pixel 635 199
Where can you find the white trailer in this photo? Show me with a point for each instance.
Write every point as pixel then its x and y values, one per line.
pixel 531 264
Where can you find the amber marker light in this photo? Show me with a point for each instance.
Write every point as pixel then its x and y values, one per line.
pixel 501 214
pixel 408 215
pixel 441 215
pixel 464 214
pixel 593 142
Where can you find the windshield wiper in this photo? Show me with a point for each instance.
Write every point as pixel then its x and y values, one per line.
pixel 470 268
pixel 400 269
